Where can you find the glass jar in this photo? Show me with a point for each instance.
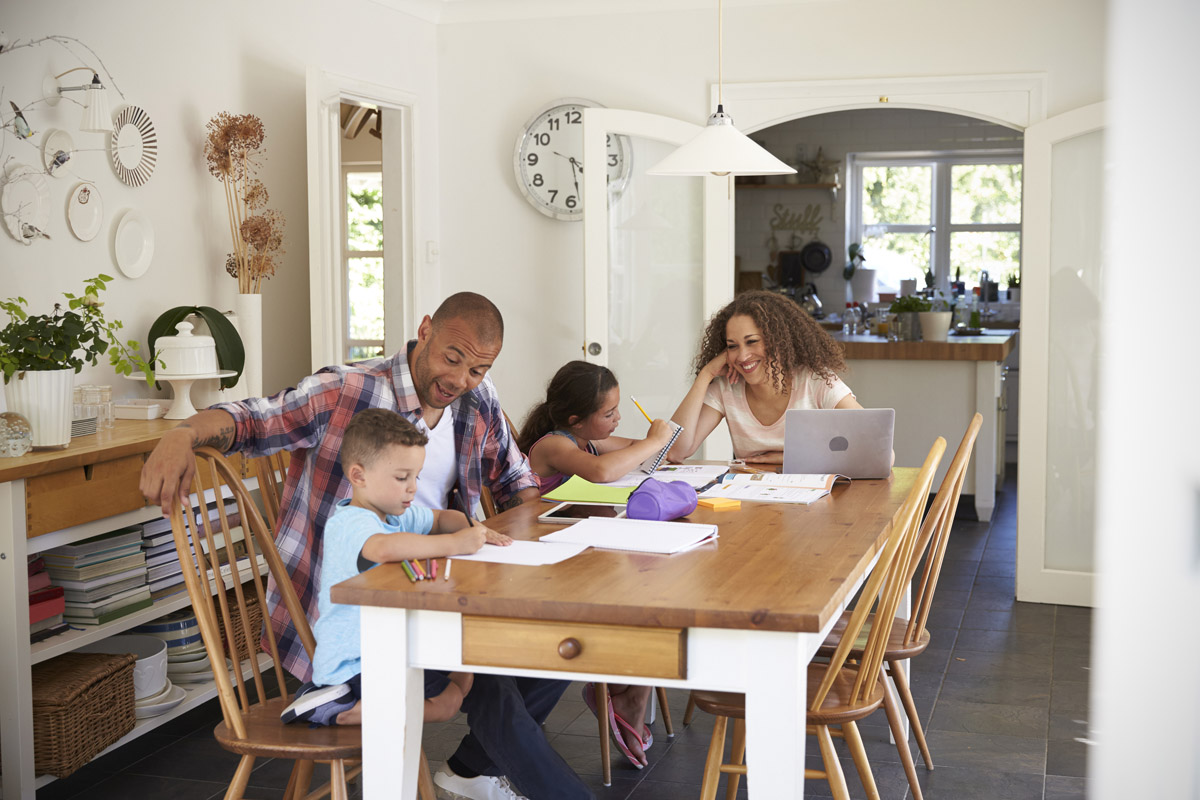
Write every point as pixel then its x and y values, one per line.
pixel 16 435
pixel 105 407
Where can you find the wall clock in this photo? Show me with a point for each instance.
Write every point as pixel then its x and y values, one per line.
pixel 548 159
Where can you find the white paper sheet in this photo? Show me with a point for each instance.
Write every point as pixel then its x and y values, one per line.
pixel 529 554
pixel 644 536
pixel 694 475
pixel 759 493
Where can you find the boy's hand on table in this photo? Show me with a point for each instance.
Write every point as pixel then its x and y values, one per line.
pixel 495 537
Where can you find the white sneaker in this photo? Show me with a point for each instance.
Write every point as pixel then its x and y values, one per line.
pixel 484 787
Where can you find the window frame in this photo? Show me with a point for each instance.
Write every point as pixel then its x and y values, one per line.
pixel 348 169
pixel 940 229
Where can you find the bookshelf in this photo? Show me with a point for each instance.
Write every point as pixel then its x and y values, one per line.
pixel 51 498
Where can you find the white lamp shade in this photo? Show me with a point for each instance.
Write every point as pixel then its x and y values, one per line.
pixel 720 149
pixel 96 117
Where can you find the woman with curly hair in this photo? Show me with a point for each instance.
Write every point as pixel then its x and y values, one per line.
pixel 760 356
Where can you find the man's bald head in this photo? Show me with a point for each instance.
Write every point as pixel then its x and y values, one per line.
pixel 477 311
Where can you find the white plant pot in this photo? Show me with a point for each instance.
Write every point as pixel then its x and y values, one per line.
pixel 908 286
pixel 935 325
pixel 248 308
pixel 44 397
pixel 862 286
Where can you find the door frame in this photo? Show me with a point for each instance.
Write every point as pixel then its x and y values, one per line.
pixel 325 92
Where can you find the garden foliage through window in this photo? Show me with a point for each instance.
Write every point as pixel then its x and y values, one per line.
pixel 363 259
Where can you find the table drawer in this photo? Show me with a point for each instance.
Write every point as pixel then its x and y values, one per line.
pixel 575 647
pixel 82 494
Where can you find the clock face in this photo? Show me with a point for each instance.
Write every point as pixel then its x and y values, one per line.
pixel 549 160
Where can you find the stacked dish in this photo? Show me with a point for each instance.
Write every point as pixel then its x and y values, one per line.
pixel 84 425
pixel 179 630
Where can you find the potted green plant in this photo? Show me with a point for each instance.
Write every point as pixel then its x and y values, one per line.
pixel 935 321
pixel 907 308
pixel 231 355
pixel 1013 279
pixel 40 354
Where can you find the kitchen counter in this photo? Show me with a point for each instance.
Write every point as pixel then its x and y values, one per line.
pixel 994 344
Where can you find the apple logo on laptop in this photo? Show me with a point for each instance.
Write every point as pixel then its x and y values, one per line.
pixel 838 444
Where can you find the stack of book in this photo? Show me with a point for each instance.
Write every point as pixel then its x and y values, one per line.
pixel 103 578
pixel 45 603
pixel 164 572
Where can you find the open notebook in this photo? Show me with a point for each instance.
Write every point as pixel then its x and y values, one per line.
pixel 643 536
pixel 651 463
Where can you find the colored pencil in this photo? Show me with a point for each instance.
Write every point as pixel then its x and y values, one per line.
pixel 434 564
pixel 446 577
pixel 417 568
pixel 639 406
pixel 412 576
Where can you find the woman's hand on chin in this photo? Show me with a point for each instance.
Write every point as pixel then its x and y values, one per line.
pixel 719 367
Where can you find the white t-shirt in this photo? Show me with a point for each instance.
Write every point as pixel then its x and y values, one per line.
pixel 441 468
pixel 751 436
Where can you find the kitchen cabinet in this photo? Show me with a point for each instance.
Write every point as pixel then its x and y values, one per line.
pixel 52 498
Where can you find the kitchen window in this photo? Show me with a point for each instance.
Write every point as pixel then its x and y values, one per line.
pixel 362 260
pixel 949 213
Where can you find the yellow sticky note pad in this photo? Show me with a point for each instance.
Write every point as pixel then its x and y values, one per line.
pixel 720 503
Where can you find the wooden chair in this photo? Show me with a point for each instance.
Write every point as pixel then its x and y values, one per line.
pixel 840 692
pixel 251 726
pixel 908 637
pixel 271 472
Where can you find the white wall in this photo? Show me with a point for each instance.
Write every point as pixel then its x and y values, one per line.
pixel 493 75
pixel 183 63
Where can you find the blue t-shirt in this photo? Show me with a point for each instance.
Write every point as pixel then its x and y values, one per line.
pixel 339 649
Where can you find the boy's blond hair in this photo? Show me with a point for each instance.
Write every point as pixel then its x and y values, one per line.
pixel 372 431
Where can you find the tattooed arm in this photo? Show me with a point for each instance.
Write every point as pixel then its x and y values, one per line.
pixel 168 471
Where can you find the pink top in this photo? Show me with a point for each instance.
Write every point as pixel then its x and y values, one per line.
pixel 549 483
pixel 751 436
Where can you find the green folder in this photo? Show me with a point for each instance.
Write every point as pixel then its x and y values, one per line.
pixel 576 490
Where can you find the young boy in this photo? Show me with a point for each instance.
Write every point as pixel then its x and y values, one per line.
pixel 382 453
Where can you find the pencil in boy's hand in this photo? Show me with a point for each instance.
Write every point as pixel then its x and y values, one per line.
pixel 639 407
pixel 446 577
pixel 412 576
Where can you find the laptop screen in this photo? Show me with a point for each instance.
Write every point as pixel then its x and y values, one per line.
pixel 855 442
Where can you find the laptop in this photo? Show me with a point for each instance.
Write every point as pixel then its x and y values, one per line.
pixel 854 442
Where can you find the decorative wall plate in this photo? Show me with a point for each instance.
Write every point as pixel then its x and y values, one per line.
pixel 85 212
pixel 134 146
pixel 134 244
pixel 25 203
pixel 56 151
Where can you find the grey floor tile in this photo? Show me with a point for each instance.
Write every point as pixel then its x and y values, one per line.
pixel 999 665
pixel 957 783
pixel 1021 617
pixel 1059 787
pixel 1004 641
pixel 1029 692
pixel 1067 758
pixel 1067 725
pixel 988 751
pixel 125 785
pixel 1068 696
pixel 975 717
pixel 998 568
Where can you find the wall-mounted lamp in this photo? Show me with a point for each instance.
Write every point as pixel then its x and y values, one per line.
pixel 97 117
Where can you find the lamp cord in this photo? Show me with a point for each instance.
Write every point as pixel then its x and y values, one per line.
pixel 720 54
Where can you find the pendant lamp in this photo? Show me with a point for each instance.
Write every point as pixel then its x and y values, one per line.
pixel 720 149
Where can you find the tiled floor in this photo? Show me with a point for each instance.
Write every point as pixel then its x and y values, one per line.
pixel 1002 692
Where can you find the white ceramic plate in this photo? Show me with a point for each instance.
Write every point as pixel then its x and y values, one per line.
pixel 24 199
pixel 134 146
pixel 134 244
pixel 56 141
pixel 174 697
pixel 85 212
pixel 180 667
pixel 156 697
pixel 183 658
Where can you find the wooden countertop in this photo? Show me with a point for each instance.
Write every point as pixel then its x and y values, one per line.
pixel 127 437
pixel 993 345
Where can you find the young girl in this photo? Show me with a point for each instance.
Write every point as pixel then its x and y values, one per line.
pixel 570 433
pixel 760 356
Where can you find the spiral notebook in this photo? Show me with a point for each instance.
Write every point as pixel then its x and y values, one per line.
pixel 640 535
pixel 651 464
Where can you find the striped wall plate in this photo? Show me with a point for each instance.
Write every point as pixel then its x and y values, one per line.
pixel 134 146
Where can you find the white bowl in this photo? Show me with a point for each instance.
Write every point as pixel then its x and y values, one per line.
pixel 150 669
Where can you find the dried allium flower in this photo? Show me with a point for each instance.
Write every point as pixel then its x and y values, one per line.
pixel 217 145
pixel 231 265
pixel 256 231
pixel 256 194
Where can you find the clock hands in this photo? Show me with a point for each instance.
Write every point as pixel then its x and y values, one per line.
pixel 576 168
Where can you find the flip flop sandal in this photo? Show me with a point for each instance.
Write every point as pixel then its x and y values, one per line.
pixel 621 721
pixel 589 698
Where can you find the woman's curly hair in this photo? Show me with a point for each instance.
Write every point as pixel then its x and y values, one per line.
pixel 793 340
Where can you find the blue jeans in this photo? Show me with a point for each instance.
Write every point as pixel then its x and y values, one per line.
pixel 506 738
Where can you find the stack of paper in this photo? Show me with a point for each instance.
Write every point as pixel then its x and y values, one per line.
pixel 576 490
pixel 694 475
pixel 773 488
pixel 643 536
pixel 530 554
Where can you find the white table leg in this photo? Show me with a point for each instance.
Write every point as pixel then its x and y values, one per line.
pixel 16 700
pixel 987 403
pixel 393 706
pixel 904 609
pixel 777 674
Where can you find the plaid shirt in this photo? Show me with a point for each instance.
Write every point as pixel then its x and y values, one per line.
pixel 310 420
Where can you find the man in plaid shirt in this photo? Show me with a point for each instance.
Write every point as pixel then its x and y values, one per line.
pixel 444 370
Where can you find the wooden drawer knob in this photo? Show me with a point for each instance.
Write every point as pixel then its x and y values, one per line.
pixel 569 648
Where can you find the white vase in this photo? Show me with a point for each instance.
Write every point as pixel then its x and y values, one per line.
pixel 908 286
pixel 862 286
pixel 935 325
pixel 248 308
pixel 44 397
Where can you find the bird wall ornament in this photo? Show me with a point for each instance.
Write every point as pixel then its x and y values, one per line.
pixel 31 232
pixel 20 126
pixel 60 157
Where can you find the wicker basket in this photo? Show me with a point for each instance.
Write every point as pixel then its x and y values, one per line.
pixel 82 703
pixel 254 615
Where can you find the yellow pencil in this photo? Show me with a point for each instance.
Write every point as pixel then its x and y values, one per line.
pixel 639 405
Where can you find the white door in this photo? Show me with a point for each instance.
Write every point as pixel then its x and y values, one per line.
pixel 1062 272
pixel 658 262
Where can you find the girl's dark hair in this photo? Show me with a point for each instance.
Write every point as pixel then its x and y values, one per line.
pixel 574 391
pixel 793 340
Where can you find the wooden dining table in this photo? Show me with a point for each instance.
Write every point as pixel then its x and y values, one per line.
pixel 745 613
